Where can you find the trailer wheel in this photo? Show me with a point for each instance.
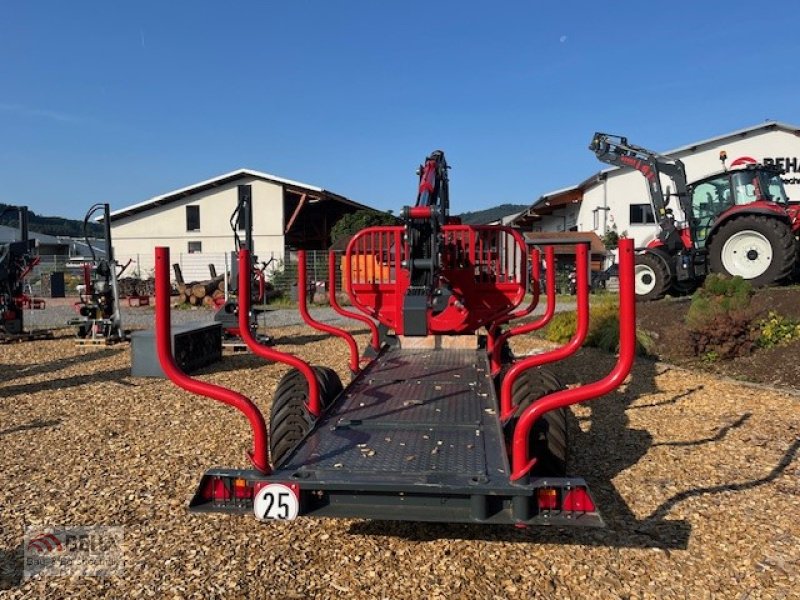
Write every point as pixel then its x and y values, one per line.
pixel 652 277
pixel 757 248
pixel 548 441
pixel 289 419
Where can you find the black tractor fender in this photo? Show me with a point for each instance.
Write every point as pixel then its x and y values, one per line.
pixel 660 253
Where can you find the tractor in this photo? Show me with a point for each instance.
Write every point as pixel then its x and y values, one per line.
pixel 738 222
pixel 440 421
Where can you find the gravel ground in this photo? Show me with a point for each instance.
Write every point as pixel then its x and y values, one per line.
pixel 697 478
pixel 59 312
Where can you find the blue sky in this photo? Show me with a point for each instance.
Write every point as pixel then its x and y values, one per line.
pixel 101 101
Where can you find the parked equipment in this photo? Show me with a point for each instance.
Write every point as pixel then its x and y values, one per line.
pixel 438 423
pixel 17 260
pixel 98 306
pixel 228 309
pixel 736 222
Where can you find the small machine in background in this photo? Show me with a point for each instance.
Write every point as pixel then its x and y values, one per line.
pixel 99 320
pixel 17 260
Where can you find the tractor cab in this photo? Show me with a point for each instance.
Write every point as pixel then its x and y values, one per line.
pixel 715 195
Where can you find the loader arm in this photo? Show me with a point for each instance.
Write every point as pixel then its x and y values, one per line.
pixel 615 150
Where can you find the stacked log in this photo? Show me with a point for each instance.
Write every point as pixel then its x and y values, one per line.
pixel 134 286
pixel 201 293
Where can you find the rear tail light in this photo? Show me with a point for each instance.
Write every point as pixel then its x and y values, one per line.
pixel 547 498
pixel 566 499
pixel 218 489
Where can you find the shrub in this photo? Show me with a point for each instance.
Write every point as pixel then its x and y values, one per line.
pixel 603 328
pixel 720 295
pixel 720 320
pixel 776 330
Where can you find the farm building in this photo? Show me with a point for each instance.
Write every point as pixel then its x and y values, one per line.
pixel 618 199
pixel 194 221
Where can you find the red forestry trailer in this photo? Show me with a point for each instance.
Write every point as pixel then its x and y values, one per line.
pixel 439 422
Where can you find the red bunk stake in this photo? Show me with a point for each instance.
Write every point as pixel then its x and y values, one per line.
pixel 301 293
pixel 537 360
pixel 376 344
pixel 521 461
pixel 550 310
pixel 259 455
pixel 314 405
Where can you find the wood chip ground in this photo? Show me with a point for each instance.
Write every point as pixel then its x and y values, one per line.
pixel 698 480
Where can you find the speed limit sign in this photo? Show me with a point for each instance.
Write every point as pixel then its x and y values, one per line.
pixel 276 502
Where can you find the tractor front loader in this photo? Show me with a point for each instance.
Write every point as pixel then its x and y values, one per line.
pixel 738 222
pixel 440 422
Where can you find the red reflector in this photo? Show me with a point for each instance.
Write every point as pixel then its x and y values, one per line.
pixel 578 499
pixel 547 498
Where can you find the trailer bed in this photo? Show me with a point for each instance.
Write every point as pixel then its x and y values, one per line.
pixel 416 436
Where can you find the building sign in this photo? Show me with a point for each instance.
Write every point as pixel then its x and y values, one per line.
pixel 790 164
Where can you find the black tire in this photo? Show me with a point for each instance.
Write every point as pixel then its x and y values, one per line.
pixel 549 440
pixel 289 418
pixel 684 288
pixel 737 232
pixel 652 277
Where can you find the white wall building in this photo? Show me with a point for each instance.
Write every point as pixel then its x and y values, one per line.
pixel 194 222
pixel 619 197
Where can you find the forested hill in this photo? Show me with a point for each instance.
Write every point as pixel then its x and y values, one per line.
pixel 481 217
pixel 50 225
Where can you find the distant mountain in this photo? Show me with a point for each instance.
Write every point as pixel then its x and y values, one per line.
pixel 51 225
pixel 481 217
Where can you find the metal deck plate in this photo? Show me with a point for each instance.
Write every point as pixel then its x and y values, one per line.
pixel 413 417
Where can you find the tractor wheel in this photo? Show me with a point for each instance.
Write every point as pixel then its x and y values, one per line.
pixel 289 418
pixel 548 441
pixel 652 277
pixel 683 288
pixel 757 248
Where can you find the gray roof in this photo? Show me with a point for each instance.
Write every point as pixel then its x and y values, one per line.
pixel 222 180
pixel 11 234
pixel 77 246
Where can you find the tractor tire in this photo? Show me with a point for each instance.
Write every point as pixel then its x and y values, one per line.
pixel 652 277
pixel 289 418
pixel 683 288
pixel 548 440
pixel 760 249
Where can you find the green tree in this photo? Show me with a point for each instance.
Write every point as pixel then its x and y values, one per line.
pixel 352 223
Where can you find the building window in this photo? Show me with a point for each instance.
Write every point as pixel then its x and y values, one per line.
pixel 642 214
pixel 195 247
pixel 596 219
pixel 192 218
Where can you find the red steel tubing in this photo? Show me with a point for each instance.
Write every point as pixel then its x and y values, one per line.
pixel 259 455
pixel 419 212
pixel 536 269
pixel 301 293
pixel 536 272
pixel 376 344
pixel 550 310
pixel 314 404
pixel 521 461
pixel 582 267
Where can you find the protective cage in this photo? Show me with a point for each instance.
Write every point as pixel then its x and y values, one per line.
pixel 484 264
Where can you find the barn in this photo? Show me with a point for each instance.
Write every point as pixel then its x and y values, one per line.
pixel 195 221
